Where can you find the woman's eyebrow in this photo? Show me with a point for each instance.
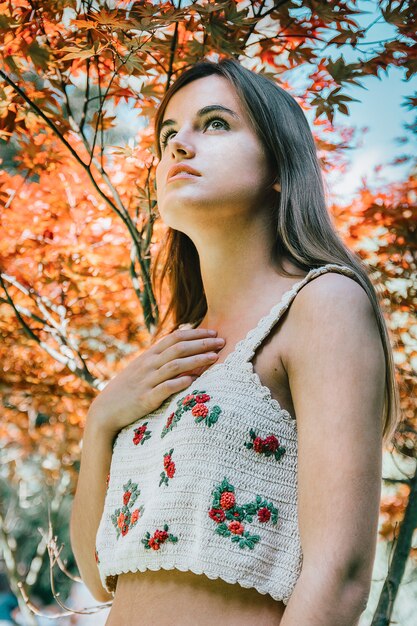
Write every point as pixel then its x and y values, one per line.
pixel 204 111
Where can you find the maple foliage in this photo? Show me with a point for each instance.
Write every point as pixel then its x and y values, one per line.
pixel 79 224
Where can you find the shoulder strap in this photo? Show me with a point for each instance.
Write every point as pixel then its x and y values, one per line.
pixel 245 349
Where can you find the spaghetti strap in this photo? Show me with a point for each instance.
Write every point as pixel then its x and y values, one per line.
pixel 245 349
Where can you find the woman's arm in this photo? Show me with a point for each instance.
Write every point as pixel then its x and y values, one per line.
pixel 88 503
pixel 336 370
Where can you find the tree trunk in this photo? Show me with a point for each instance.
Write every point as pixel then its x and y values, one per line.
pixel 383 612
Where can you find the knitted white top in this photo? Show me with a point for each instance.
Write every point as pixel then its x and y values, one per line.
pixel 208 481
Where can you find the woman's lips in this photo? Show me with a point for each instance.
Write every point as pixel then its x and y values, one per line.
pixel 181 175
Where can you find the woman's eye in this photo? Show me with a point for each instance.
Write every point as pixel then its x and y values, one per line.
pixel 165 136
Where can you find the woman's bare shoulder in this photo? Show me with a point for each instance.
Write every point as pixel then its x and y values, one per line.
pixel 333 330
pixel 322 302
pixel 329 295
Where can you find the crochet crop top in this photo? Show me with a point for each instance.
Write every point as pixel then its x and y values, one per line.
pixel 208 481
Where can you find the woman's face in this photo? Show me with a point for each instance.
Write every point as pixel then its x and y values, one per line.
pixel 222 147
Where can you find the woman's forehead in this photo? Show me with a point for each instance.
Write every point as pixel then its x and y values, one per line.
pixel 203 92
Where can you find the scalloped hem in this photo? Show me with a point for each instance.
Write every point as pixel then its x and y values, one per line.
pixel 111 579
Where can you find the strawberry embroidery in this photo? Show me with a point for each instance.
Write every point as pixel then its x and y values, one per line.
pixel 158 538
pixel 229 516
pixel 196 403
pixel 141 434
pixel 268 446
pixel 169 468
pixel 124 519
pixel 96 557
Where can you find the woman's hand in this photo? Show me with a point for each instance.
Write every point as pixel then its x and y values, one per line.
pixel 168 366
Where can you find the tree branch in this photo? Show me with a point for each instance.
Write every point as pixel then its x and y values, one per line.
pixel 83 372
pixel 150 316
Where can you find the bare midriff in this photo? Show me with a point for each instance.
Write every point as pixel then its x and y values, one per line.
pixel 175 598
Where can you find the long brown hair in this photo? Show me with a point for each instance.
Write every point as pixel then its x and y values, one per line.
pixel 304 231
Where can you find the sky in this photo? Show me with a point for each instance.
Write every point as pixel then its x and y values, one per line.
pixel 380 109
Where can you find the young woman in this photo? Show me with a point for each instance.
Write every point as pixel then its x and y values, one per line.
pixel 235 477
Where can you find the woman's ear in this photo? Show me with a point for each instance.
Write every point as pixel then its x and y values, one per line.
pixel 277 186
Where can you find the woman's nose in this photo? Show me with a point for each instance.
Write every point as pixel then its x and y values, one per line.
pixel 180 143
